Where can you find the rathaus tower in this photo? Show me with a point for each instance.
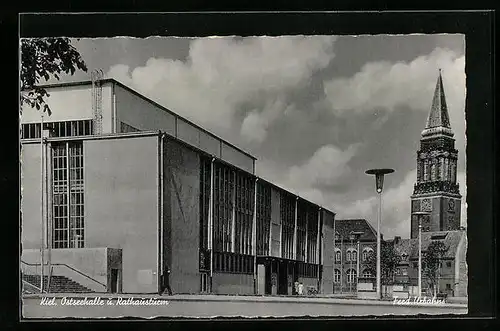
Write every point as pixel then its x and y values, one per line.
pixel 436 190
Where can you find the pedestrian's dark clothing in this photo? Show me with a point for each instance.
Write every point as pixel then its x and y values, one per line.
pixel 166 283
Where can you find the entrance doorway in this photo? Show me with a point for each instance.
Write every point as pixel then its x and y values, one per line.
pixel 114 281
pixel 282 278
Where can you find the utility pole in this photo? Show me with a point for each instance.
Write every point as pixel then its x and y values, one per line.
pixel 379 183
pixel 351 278
pixel 419 215
pixel 42 175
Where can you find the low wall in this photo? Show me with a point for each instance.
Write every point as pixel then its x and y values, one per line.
pixel 365 286
pixel 228 283
pixel 366 294
pixel 398 291
pixel 92 262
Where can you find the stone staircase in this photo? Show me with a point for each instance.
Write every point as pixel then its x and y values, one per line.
pixel 58 284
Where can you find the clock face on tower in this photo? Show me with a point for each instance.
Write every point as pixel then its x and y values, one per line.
pixel 451 205
pixel 426 205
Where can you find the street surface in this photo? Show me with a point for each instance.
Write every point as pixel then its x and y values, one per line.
pixel 212 306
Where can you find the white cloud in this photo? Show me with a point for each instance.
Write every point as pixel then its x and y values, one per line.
pixel 326 166
pixel 222 73
pixel 255 125
pixel 395 208
pixel 388 85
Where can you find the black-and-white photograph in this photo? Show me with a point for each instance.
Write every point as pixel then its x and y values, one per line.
pixel 252 176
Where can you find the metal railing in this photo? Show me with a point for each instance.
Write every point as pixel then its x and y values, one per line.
pixel 67 266
pixel 29 285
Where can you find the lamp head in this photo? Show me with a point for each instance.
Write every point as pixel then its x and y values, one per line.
pixel 379 177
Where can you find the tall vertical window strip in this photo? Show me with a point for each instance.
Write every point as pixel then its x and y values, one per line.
pixel 263 217
pixel 312 235
pixel 287 212
pixel 301 231
pixel 205 168
pixel 243 213
pixel 223 208
pixel 60 196
pixel 68 193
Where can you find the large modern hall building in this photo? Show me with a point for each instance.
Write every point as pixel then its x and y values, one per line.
pixel 119 194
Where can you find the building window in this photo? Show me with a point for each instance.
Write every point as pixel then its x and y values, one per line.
pixel 338 256
pixel 367 273
pixel 263 217
pixel 352 255
pixel 301 230
pixel 287 213
pixel 233 263
pixel 243 204
pixel 205 184
pixel 351 276
pixel 312 234
pixel 336 276
pixel 415 265
pixel 366 253
pixel 404 271
pixel 433 170
pixel 58 129
pixel 204 282
pixel 223 208
pixel 426 170
pixel 448 264
pixel 67 195
pixel 124 127
pixel 404 257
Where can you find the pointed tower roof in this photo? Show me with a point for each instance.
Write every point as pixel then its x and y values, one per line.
pixel 438 122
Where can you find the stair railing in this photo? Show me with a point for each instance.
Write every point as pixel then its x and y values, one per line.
pixel 69 267
pixel 31 285
pixel 50 277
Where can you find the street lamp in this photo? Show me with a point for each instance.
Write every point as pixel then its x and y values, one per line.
pixel 379 183
pixel 419 215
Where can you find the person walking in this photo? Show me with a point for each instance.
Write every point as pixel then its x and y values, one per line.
pixel 301 288
pixel 166 282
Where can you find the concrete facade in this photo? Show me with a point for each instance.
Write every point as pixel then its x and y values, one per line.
pixel 181 220
pixel 327 253
pixel 141 198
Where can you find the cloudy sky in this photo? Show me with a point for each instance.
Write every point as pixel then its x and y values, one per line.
pixel 316 111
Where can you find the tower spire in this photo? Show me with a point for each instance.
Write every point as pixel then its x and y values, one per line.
pixel 438 121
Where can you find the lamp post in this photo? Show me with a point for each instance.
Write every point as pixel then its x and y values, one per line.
pixel 379 183
pixel 419 215
pixel 351 278
pixel 42 174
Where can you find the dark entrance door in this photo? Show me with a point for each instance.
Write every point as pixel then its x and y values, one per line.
pixel 283 278
pixel 268 280
pixel 114 280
